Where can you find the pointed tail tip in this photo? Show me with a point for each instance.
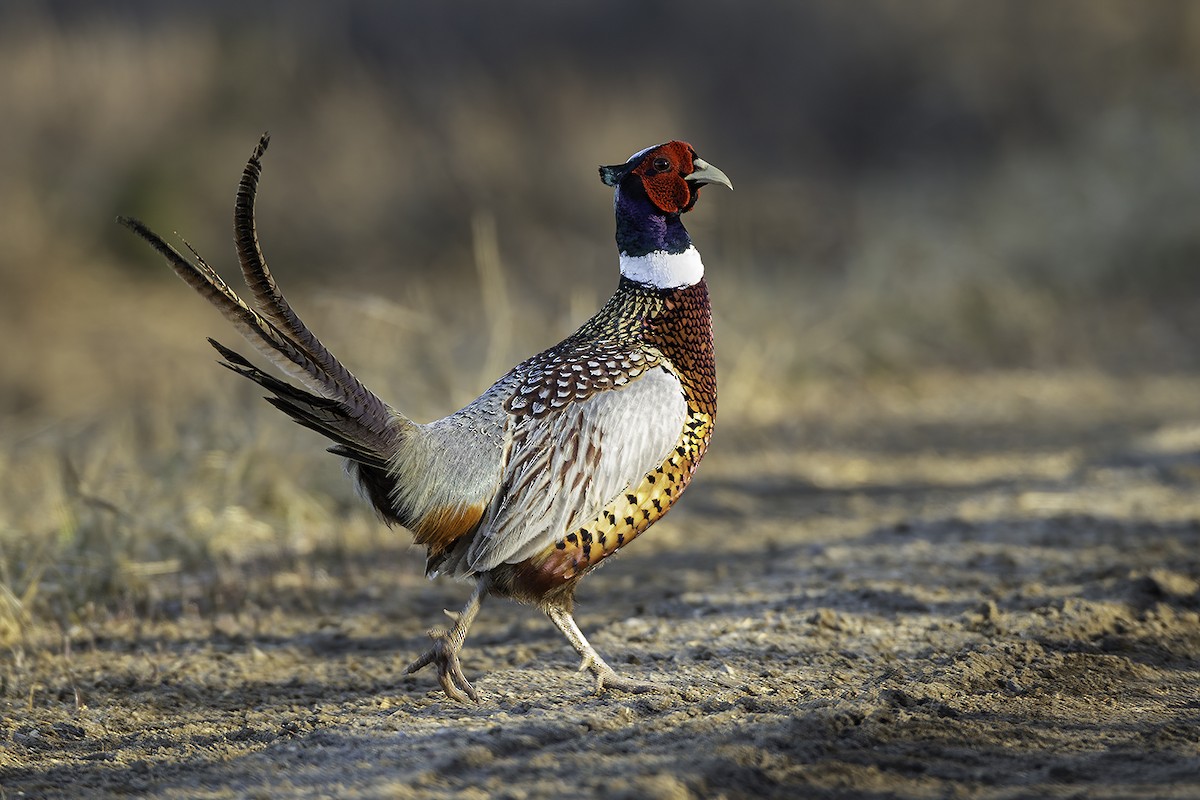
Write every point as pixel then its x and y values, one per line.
pixel 137 226
pixel 263 142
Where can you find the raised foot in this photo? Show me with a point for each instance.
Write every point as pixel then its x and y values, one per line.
pixel 444 655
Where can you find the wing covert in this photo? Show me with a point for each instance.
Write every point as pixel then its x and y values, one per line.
pixel 562 468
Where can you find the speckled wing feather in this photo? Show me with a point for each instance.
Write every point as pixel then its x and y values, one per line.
pixel 564 466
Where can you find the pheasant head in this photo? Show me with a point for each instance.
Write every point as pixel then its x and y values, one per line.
pixel 653 188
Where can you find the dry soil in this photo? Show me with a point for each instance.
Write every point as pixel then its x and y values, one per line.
pixel 938 587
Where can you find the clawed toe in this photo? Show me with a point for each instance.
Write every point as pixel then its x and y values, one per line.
pixel 444 655
pixel 607 678
pixel 615 681
pixel 446 646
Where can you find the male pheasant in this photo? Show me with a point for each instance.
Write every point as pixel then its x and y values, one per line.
pixel 564 460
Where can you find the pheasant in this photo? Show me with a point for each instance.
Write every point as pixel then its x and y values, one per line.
pixel 563 461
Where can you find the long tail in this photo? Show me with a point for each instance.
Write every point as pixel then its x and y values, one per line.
pixel 337 405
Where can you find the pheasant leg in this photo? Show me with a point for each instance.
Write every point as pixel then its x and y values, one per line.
pixel 606 676
pixel 446 647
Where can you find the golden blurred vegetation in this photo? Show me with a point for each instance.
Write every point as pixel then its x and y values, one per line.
pixel 934 184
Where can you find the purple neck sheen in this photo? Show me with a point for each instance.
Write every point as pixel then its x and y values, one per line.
pixel 642 228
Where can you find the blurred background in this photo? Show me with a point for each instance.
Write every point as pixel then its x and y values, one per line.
pixel 921 185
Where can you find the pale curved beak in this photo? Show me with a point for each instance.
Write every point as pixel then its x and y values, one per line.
pixel 707 173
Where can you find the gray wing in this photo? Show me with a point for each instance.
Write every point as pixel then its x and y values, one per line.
pixel 561 469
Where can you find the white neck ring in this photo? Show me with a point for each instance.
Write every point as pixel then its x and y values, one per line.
pixel 664 270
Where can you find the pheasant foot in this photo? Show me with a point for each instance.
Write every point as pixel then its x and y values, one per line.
pixel 444 655
pixel 606 676
pixel 609 678
pixel 447 644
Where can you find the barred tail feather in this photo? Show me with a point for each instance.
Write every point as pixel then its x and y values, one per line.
pixel 270 300
pixel 337 405
pixel 266 338
pixel 326 417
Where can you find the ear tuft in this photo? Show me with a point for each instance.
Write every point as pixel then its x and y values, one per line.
pixel 613 175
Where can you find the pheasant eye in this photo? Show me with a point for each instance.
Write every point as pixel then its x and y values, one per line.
pixel 661 165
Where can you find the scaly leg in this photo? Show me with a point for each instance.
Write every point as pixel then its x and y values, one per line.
pixel 446 647
pixel 606 676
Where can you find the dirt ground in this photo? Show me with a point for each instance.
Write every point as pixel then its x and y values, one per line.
pixel 938 587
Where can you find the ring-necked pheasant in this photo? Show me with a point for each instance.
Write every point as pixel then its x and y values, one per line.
pixel 564 460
